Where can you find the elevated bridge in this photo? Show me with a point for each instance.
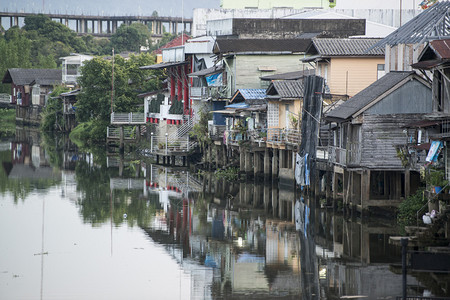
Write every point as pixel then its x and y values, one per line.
pixel 104 25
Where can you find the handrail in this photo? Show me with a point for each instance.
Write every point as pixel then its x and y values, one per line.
pixel 429 200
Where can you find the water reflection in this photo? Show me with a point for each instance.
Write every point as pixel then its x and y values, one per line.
pixel 228 240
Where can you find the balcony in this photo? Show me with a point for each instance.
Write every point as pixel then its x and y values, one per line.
pixel 206 93
pixel 127 118
pixel 284 136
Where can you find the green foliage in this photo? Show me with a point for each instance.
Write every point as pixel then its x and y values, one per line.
pixel 230 174
pixel 8 121
pixel 436 177
pixel 200 130
pixel 52 118
pixel 176 107
pixel 155 105
pixel 86 133
pixel 131 37
pixel 409 207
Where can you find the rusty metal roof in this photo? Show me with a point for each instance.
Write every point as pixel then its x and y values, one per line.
pixel 345 47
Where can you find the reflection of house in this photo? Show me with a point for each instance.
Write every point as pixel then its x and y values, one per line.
pixel 345 64
pixel 369 126
pixel 29 91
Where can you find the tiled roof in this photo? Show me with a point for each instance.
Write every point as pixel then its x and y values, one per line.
pixel 286 89
pixel 369 94
pixel 27 76
pixel 178 41
pixel 347 47
pixel 224 46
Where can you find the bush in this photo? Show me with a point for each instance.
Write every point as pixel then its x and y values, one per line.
pixel 409 207
pixel 89 132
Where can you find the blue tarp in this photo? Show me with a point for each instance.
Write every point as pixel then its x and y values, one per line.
pixel 237 105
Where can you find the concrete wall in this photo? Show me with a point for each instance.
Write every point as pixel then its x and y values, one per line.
pixel 390 17
pixel 362 72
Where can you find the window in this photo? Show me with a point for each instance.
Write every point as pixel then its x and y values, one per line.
pixel 272 114
pixel 380 71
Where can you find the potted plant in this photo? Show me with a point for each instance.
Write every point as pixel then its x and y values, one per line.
pixel 436 179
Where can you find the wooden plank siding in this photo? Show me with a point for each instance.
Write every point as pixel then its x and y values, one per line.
pixel 248 71
pixel 379 135
pixel 362 72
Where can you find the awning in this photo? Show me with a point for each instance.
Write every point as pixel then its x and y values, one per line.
pixel 207 72
pixel 226 111
pixel 164 65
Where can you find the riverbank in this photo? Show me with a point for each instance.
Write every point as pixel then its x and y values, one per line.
pixel 7 119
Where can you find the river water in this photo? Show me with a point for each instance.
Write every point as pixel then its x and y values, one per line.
pixel 79 225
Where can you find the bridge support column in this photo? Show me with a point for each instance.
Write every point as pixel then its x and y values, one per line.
pixel 108 26
pixel 83 26
pixel 99 27
pixel 16 21
pixel 66 22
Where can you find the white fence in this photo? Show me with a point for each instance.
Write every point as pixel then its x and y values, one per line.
pixel 127 118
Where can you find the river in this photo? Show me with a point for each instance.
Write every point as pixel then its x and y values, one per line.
pixel 79 225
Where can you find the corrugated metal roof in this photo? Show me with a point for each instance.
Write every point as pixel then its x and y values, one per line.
pixel 366 96
pixel 289 75
pixel 164 65
pixel 286 89
pixel 441 48
pixel 347 47
pixel 249 94
pixel 207 72
pixel 224 46
pixel 237 105
pixel 432 23
pixel 26 76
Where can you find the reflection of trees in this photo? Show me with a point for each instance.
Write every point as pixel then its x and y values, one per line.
pixel 20 188
pixel 98 202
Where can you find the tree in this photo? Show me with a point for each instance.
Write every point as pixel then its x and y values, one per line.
pixel 94 102
pixel 130 38
pixel 35 22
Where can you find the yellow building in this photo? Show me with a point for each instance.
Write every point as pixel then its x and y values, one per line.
pixel 348 65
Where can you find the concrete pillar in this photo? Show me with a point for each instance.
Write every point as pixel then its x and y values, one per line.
pixel 16 21
pixel 66 22
pixel 176 27
pixel 93 27
pixel 108 26
pixel 266 197
pixel 266 162
pixel 11 24
pixel 99 27
pixel 275 163
pixel 282 159
pixel 248 162
pixel 256 163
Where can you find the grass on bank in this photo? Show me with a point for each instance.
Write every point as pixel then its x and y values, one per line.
pixel 8 121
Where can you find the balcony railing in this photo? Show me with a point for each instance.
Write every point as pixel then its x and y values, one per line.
pixel 208 92
pixel 127 118
pixel 283 135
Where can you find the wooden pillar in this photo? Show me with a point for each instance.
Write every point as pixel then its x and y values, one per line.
pixel 365 188
pixel 241 159
pixel 122 140
pixel 407 183
pixel 224 155
pixel 217 155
